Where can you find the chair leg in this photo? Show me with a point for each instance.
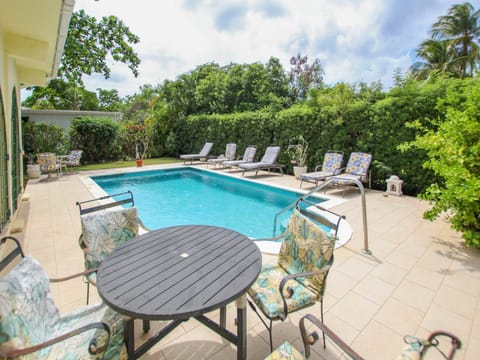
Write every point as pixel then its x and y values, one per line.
pixel 270 330
pixel 321 317
pixel 88 291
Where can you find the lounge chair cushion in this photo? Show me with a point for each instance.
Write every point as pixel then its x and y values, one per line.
pixel 104 231
pixel 203 153
pixel 28 316
pixel 331 164
pixel 285 352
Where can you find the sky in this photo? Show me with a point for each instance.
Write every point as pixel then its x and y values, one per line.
pixel 355 40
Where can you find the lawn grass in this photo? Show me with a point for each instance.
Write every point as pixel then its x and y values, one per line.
pixel 131 163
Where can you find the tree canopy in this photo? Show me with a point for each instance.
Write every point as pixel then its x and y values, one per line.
pixel 453 48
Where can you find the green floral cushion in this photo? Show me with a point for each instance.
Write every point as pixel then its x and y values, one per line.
pixel 104 231
pixel 28 316
pixel 265 294
pixel 306 247
pixel 285 352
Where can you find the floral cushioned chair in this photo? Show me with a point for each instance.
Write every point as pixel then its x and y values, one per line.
pixel 104 228
pixel 357 168
pixel 31 326
pixel 332 162
pixel 298 279
pixel 415 348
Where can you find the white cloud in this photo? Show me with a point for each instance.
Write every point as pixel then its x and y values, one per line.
pixel 355 40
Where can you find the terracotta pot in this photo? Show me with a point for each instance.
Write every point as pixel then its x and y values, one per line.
pixel 139 162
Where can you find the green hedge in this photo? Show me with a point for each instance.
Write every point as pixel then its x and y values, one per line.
pixel 338 118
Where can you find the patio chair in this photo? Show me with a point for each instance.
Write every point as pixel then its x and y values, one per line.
pixel 105 227
pixel 31 325
pixel 49 163
pixel 298 279
pixel 230 151
pixel 203 154
pixel 248 157
pixel 332 163
pixel 268 162
pixel 71 160
pixel 415 348
pixel 357 168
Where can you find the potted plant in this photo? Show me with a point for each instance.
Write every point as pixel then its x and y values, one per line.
pixel 139 135
pixel 297 149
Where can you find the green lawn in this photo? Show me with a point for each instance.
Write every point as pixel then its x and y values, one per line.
pixel 121 164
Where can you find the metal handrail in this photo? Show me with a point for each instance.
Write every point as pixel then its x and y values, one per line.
pixel 317 188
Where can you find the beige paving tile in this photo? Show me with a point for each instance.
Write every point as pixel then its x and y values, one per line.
pixel 439 318
pixel 401 259
pixel 378 342
pixel 355 267
pixel 402 318
pixel 355 310
pixel 339 284
pixel 389 273
pixel 374 289
pixel 456 301
pixel 431 279
pixel 415 295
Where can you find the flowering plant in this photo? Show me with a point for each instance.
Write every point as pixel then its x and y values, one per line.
pixel 297 150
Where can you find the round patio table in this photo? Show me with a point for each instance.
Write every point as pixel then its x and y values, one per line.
pixel 181 272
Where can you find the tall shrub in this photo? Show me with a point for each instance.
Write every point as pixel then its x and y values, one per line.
pixel 453 148
pixel 97 137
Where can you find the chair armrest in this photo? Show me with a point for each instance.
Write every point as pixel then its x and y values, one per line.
pixel 310 339
pixel 318 167
pixel 73 276
pixel 93 347
pixel 324 269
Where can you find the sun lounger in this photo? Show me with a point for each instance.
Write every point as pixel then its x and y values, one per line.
pixel 247 157
pixel 268 162
pixel 230 151
pixel 201 155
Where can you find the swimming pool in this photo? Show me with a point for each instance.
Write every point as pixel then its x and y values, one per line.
pixel 183 196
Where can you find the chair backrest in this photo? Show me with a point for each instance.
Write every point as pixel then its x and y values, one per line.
pixel 358 163
pixel 105 230
pixel 250 153
pixel 332 162
pixel 230 151
pixel 306 247
pixel 271 155
pixel 74 157
pixel 47 161
pixel 28 315
pixel 206 149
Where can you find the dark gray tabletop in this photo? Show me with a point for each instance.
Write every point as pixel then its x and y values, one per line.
pixel 178 272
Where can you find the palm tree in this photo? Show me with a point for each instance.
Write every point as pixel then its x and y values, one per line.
pixel 437 59
pixel 460 28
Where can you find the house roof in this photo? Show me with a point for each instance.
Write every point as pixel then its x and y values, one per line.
pixel 34 35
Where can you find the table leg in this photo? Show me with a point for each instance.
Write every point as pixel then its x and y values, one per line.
pixel 242 328
pixel 129 338
pixel 146 326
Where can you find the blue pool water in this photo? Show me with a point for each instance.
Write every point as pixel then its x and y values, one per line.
pixel 192 196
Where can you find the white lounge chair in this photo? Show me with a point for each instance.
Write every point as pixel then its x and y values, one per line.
pixel 230 151
pixel 201 155
pixel 247 157
pixel 268 162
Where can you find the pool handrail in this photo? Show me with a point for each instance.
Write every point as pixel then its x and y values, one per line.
pixel 317 188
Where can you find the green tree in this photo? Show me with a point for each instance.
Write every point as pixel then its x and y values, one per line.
pixel 452 147
pixel 89 42
pixel 453 48
pixel 304 77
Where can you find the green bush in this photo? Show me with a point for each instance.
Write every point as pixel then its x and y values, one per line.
pixel 453 147
pixel 40 137
pixel 97 137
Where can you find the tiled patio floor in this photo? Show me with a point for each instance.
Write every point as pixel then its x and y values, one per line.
pixel 419 278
